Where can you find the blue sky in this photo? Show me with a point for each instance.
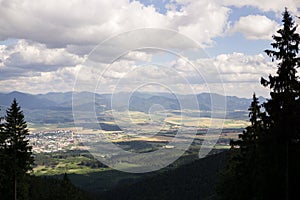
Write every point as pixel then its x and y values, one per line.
pixel 43 50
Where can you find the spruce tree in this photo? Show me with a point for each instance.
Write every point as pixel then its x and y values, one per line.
pixel 282 113
pixel 17 151
pixel 238 180
pixel 266 164
pixel 2 155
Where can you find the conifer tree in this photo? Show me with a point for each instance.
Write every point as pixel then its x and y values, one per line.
pixel 238 181
pixel 269 149
pixel 2 155
pixel 282 112
pixel 18 158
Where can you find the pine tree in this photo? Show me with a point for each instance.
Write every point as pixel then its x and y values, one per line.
pixel 17 151
pixel 2 155
pixel 248 138
pixel 69 191
pixel 282 111
pixel 284 86
pixel 238 181
pixel 266 164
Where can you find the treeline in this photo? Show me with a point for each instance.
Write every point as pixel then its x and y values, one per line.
pixel 43 188
pixel 53 159
pixel 265 161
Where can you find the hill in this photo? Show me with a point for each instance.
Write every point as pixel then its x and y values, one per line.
pixel 196 180
pixel 56 107
pixel 43 188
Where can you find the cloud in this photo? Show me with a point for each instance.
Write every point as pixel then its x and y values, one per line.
pixel 266 5
pixel 61 80
pixel 88 23
pixel 55 37
pixel 243 68
pixel 256 27
pixel 27 58
pixel 138 56
pixel 240 74
pixel 201 20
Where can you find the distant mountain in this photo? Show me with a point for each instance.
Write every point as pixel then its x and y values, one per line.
pixel 55 106
pixel 28 101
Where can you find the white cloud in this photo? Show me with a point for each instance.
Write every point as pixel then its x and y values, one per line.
pixel 256 27
pixel 138 56
pixel 75 22
pixel 201 20
pixel 243 68
pixel 61 80
pixel 240 73
pixel 26 58
pixel 54 37
pixel 266 5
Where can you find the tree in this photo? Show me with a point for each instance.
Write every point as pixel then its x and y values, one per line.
pixel 238 180
pixel 69 191
pixel 2 154
pixel 269 149
pixel 16 151
pixel 283 109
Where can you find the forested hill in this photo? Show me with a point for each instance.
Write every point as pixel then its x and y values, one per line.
pixel 53 108
pixel 196 180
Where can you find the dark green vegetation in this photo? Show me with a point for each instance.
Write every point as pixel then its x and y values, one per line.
pixel 186 178
pixel 16 162
pixel 72 161
pixel 43 188
pixel 266 164
pixel 196 180
pixel 15 154
pixel 91 175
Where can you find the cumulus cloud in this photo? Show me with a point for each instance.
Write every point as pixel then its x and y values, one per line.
pixel 88 23
pixel 61 80
pixel 238 73
pixel 56 37
pixel 256 27
pixel 241 73
pixel 266 5
pixel 138 56
pixel 28 58
pixel 201 20
pixel 243 68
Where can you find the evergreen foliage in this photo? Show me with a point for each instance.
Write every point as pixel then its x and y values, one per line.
pixel 266 163
pixel 16 155
pixel 16 162
pixel 46 188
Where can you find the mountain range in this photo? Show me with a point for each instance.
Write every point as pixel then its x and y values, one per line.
pixel 46 108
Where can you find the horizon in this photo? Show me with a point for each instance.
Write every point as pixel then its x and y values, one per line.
pixel 146 92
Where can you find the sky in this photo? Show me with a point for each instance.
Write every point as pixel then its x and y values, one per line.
pixel 177 46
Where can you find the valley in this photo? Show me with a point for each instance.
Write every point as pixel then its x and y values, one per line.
pixel 62 145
